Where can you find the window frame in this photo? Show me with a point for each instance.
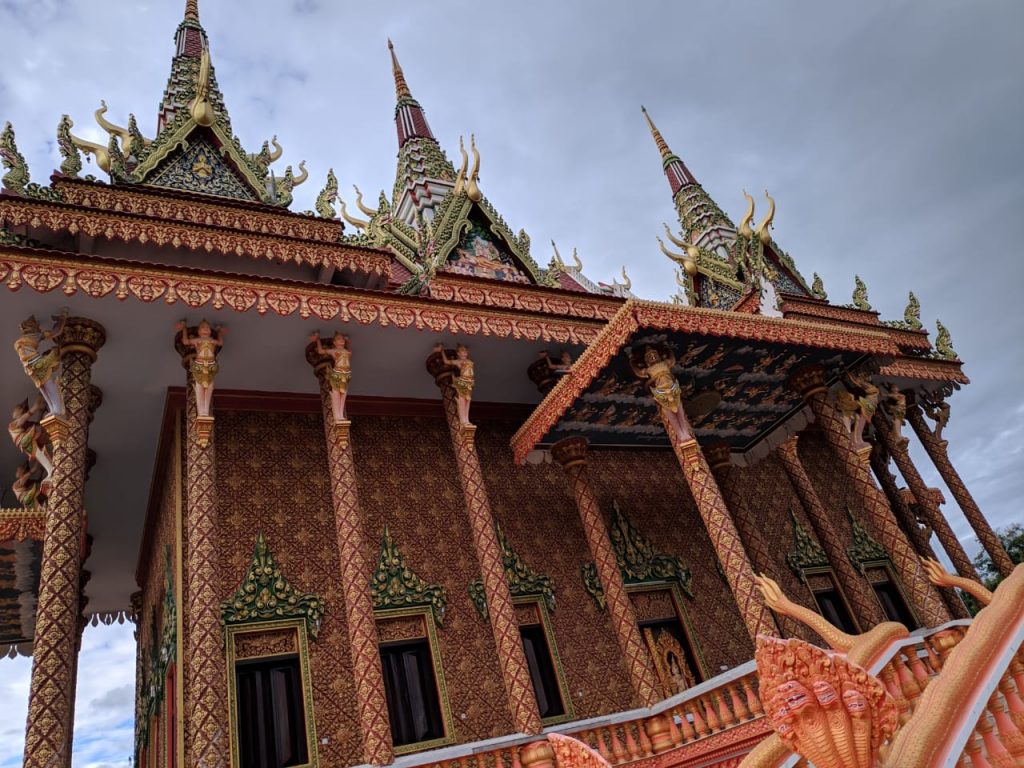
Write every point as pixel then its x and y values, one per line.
pixel 569 708
pixel 886 565
pixel 682 616
pixel 829 571
pixel 447 720
pixel 232 631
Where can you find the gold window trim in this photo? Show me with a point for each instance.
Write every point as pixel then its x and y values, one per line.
pixel 447 720
pixel 556 659
pixel 302 643
pixel 828 570
pixel 681 614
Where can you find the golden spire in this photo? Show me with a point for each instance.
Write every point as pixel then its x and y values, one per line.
pixel 191 10
pixel 401 87
pixel 662 145
pixel 472 185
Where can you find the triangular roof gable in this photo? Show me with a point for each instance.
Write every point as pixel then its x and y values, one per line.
pixel 204 159
pixel 460 217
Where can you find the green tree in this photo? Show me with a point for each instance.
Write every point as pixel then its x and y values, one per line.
pixel 1012 537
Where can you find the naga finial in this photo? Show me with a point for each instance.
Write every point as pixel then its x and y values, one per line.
pixel 557 258
pixel 90 148
pixel 912 314
pixel 687 262
pixel 473 187
pixel 944 343
pixel 128 137
pixel 745 230
pixel 303 174
pixel 576 261
pixel 357 223
pixel 628 284
pixel 818 288
pixel 201 108
pixel 17 176
pixel 359 203
pixel 274 156
pixel 762 229
pixel 691 250
pixel 460 179
pixel 71 165
pixel 325 200
pixel 860 294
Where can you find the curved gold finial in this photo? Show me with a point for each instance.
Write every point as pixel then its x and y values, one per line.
pixel 401 87
pixel 557 257
pixel 691 250
pixel 629 283
pixel 576 261
pixel 473 187
pixel 762 229
pixel 745 230
pixel 359 203
pixel 687 262
pixel 303 174
pixel 460 180
pixel 101 153
pixel 111 129
pixel 658 140
pixel 276 154
pixel 679 279
pixel 357 223
pixel 202 109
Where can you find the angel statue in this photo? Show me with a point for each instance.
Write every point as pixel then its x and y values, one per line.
pixel 857 402
pixel 463 379
pixel 338 377
pixel 204 365
pixel 43 367
pixel 657 371
pixel 28 436
pixel 896 404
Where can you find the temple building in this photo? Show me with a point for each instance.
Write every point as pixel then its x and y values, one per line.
pixel 383 484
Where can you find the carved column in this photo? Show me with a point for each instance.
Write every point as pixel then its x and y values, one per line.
pixel 897 447
pixel 571 453
pixel 515 674
pixel 939 455
pixel 49 732
pixel 856 588
pixel 743 518
pixel 355 577
pixel 810 383
pixel 205 681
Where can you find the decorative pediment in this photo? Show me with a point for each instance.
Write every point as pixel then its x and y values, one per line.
pixel 522 580
pixel 638 561
pixel 807 553
pixel 266 595
pixel 197 165
pixel 395 585
pixel 863 549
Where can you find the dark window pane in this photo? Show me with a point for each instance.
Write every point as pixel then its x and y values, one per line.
pixel 831 605
pixel 542 671
pixel 893 604
pixel 410 688
pixel 271 717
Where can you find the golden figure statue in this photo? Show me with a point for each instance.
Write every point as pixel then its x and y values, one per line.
pixel 42 367
pixel 462 381
pixel 340 373
pixel 657 371
pixel 669 661
pixel 937 411
pixel 857 402
pixel 204 365
pixel 896 405
pixel 27 434
pixel 29 487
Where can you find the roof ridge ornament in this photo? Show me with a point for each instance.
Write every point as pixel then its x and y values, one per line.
pixel 401 86
pixel 473 187
pixel 860 294
pixel 201 108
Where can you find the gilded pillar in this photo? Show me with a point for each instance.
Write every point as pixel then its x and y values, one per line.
pixel 727 478
pixel 866 609
pixel 515 674
pixel 571 453
pixel 937 452
pixel 810 383
pixel 355 576
pixel 897 447
pixel 205 681
pixel 48 734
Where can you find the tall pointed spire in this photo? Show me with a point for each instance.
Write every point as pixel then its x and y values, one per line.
pixel 424 175
pixel 192 10
pixel 704 223
pixel 409 117
pixel 189 43
pixel 678 174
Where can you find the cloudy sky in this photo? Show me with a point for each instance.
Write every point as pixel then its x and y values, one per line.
pixel 888 132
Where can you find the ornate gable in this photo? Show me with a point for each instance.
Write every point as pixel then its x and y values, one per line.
pixel 199 166
pixel 395 585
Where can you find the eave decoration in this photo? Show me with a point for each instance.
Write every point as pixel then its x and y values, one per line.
pixel 863 549
pixel 807 554
pixel 522 580
pixel 395 585
pixel 266 595
pixel 638 561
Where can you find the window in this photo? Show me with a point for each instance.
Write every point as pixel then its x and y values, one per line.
pixel 893 604
pixel 410 687
pixel 669 640
pixel 832 606
pixel 271 720
pixel 542 671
